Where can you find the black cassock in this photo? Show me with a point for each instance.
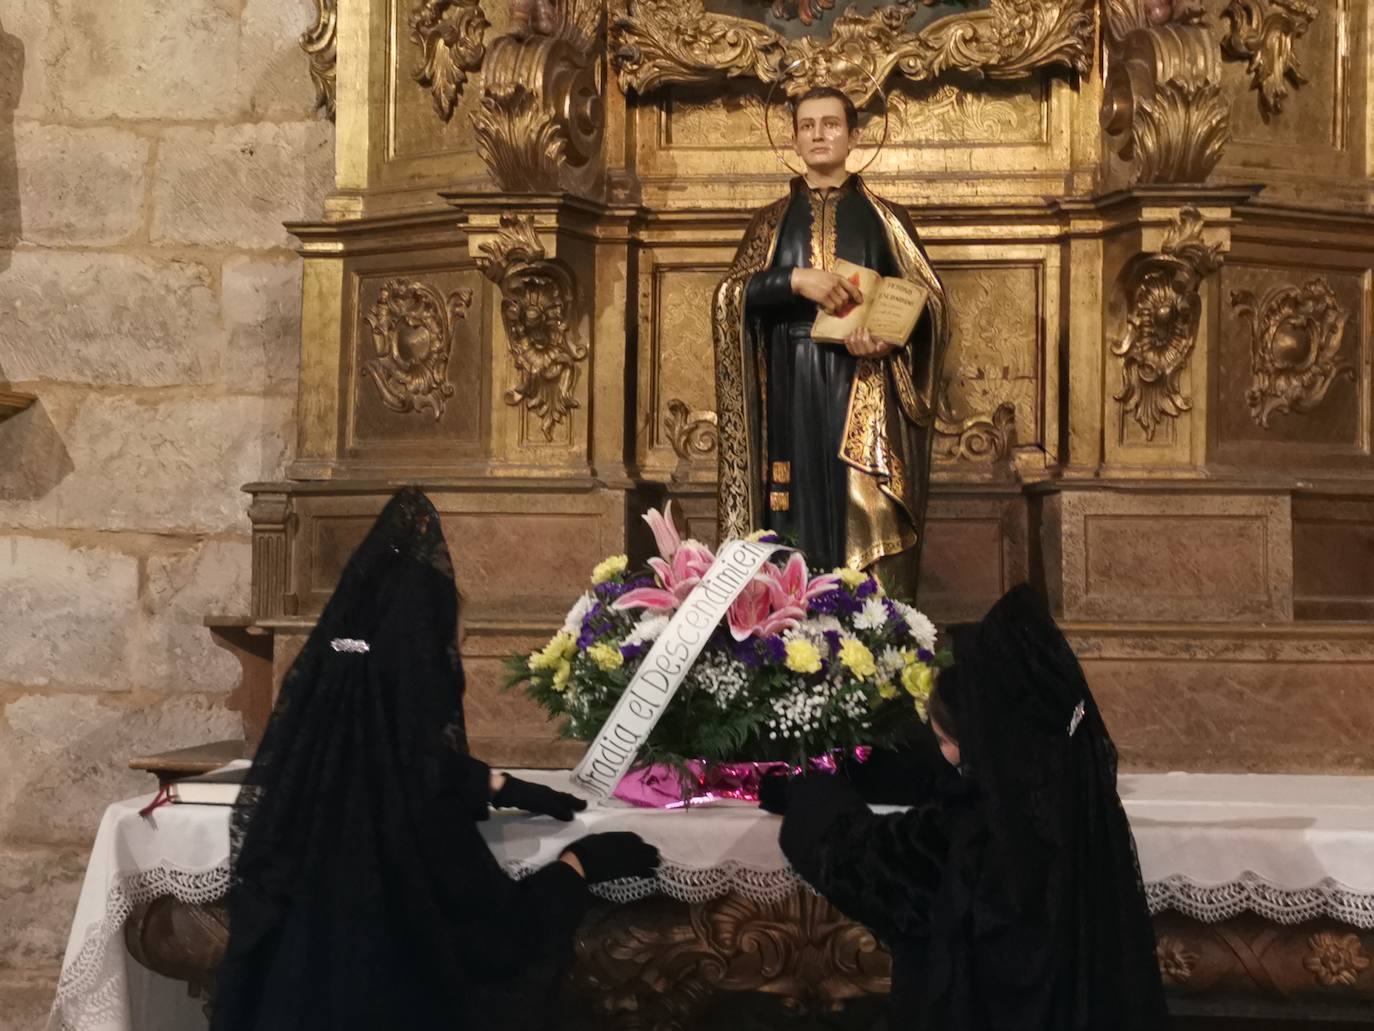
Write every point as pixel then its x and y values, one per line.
pixel 808 384
pixel 1009 895
pixel 364 897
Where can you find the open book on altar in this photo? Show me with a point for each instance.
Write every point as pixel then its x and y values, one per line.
pixel 890 308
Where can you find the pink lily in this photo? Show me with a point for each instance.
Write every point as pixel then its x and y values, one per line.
pixel 680 569
pixel 792 586
pixel 753 613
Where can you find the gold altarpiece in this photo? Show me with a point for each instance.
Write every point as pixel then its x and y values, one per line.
pixel 1155 223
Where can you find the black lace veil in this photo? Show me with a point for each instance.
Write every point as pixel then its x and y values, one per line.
pixel 363 895
pixel 1031 736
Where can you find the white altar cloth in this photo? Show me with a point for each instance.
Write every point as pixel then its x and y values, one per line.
pixel 1287 847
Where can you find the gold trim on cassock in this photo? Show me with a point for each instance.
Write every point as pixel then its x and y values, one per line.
pixel 889 423
pixel 779 501
pixel 782 473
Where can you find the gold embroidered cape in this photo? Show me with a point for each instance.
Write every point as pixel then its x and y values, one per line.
pixel 890 423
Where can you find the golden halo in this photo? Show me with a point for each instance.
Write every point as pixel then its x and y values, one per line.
pixel 768 107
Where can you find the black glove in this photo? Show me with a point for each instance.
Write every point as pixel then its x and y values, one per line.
pixel 613 855
pixel 774 791
pixel 537 798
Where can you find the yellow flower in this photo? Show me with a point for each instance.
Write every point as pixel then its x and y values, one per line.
pixel 918 679
pixel 560 646
pixel 561 675
pixel 607 568
pixel 851 578
pixel 605 656
pixel 758 535
pixel 857 658
pixel 803 656
pixel 887 690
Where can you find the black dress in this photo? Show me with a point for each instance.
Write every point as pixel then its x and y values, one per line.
pixel 363 895
pixel 1010 896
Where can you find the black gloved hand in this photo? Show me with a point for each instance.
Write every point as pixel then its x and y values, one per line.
pixel 774 791
pixel 613 855
pixel 537 798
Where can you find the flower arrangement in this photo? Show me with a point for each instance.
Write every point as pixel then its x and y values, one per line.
pixel 802 665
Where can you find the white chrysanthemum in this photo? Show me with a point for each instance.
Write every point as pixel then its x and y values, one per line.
pixel 572 622
pixel 922 629
pixel 647 629
pixel 872 616
pixel 891 661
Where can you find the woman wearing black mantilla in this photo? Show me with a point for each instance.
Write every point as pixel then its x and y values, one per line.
pixel 1010 895
pixel 363 895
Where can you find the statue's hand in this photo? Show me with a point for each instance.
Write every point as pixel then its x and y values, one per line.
pixel 830 291
pixel 863 344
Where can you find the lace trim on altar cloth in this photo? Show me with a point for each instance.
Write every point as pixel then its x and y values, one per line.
pixel 1251 893
pixel 93 991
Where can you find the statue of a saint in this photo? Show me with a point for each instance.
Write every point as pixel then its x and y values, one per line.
pixel 827 443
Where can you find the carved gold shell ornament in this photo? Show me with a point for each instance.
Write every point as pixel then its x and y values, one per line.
pixel 413 330
pixel 1162 317
pixel 1296 333
pixel 536 310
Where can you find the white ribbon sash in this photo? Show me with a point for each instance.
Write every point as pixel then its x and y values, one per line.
pixel 666 666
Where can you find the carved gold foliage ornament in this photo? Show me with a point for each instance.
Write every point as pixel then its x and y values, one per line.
pixel 1336 961
pixel 449 32
pixel 541 117
pixel 1162 322
pixel 413 331
pixel 660 973
pixel 1295 337
pixel 693 434
pixel 1262 33
pixel 1162 102
pixel 537 300
pixel 319 42
pixel 671 41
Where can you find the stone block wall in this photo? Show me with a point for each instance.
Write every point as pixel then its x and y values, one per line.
pixel 149 297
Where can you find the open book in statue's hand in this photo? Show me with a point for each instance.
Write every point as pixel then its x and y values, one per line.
pixel 889 310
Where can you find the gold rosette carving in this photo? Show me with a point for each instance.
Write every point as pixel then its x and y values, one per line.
pixel 536 307
pixel 662 41
pixel 1295 337
pixel 1162 318
pixel 1336 960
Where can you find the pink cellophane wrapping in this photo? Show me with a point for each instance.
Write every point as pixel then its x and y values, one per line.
pixel 661 787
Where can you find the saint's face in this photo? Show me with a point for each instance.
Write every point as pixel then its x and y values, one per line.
pixel 822 138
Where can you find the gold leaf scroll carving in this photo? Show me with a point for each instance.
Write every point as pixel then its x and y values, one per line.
pixel 660 972
pixel 1162 318
pixel 1263 33
pixel 1163 104
pixel 671 41
pixel 319 42
pixel 449 33
pixel 693 434
pixel 536 305
pixel 413 331
pixel 541 117
pixel 979 438
pixel 1295 337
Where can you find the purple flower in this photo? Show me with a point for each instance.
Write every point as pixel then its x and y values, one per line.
pixel 773 649
pixel 893 616
pixel 866 588
pixel 613 589
pixel 832 638
pixel 630 652
pixel 925 655
pixel 838 602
